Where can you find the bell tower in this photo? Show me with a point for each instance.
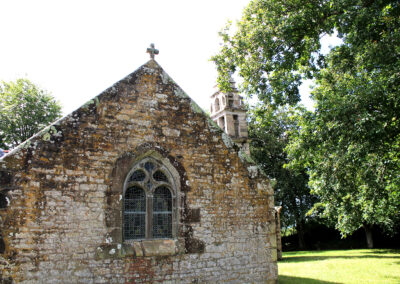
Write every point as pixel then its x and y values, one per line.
pixel 228 111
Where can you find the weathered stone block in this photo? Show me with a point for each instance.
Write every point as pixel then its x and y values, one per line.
pixel 136 246
pixel 192 215
pixel 159 247
pixel 273 240
pixel 274 256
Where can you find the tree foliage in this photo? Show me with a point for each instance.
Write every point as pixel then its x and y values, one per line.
pixel 24 110
pixel 350 143
pixel 277 43
pixel 269 131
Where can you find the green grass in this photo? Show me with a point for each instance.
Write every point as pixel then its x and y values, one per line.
pixel 340 266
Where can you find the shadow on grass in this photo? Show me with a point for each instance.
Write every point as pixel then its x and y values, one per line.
pixel 318 258
pixel 384 251
pixel 283 279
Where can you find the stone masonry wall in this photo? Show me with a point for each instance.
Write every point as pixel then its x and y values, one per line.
pixel 62 219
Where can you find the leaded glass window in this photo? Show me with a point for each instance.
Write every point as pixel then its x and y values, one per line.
pixel 160 176
pixel 149 200
pixel 134 213
pixel 149 166
pixel 162 213
pixel 138 175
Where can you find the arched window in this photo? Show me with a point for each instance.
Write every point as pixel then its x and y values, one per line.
pixel 162 213
pixel 216 102
pixel 134 213
pixel 149 210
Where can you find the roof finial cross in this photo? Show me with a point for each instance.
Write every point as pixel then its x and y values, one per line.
pixel 152 51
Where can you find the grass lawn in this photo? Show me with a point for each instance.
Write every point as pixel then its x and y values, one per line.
pixel 340 266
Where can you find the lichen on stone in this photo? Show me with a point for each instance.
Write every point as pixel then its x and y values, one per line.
pixel 92 101
pixel 46 136
pixel 245 158
pixel 213 126
pixel 87 104
pixel 253 171
pixel 180 93
pixel 227 140
pixel 196 108
pixel 50 131
pixel 26 144
pixel 148 70
pixel 165 78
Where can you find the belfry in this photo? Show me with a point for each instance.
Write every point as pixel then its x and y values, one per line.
pixel 228 111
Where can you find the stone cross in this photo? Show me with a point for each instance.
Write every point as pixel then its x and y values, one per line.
pixel 152 51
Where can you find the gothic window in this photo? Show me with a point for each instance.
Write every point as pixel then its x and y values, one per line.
pixel 149 210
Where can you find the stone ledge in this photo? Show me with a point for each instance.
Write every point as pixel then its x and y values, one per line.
pixel 142 248
pixel 159 247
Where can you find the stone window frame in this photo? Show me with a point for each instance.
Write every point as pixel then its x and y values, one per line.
pixel 113 245
pixel 173 186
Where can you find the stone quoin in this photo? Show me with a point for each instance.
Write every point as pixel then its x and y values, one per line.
pixel 136 186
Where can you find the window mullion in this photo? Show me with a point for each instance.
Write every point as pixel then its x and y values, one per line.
pixel 149 216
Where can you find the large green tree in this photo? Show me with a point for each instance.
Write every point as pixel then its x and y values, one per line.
pixel 24 110
pixel 269 130
pixel 350 142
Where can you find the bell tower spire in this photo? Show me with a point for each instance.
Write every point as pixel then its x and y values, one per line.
pixel 228 111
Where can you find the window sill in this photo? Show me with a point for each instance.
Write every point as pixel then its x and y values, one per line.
pixel 144 248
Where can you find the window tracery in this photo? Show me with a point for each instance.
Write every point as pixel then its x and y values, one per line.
pixel 149 210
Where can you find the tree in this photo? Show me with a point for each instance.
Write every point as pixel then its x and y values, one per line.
pixel 269 135
pixel 24 110
pixel 350 143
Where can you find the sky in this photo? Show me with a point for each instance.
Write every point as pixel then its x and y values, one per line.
pixel 77 49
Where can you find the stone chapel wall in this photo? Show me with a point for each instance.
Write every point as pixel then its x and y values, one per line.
pixel 62 220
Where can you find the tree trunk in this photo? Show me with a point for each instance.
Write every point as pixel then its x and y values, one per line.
pixel 368 234
pixel 300 234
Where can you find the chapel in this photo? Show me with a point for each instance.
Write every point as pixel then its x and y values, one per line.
pixel 138 185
